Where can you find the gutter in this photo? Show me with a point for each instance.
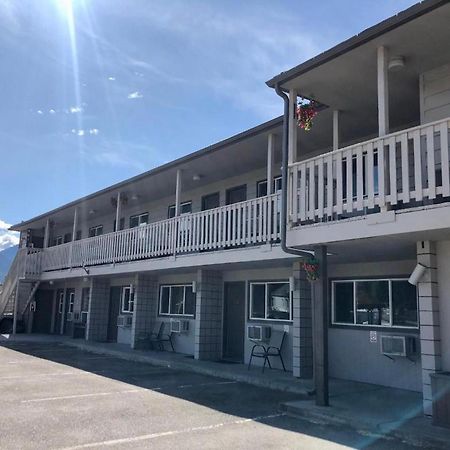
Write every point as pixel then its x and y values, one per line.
pixel 284 177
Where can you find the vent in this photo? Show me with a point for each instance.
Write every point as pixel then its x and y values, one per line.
pixel 397 345
pixel 179 326
pixel 258 332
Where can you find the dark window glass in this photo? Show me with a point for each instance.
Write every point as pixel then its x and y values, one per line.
pixel 68 237
pixel 237 194
pixel 85 299
pixel 176 300
pixel 261 189
pixel 189 303
pixel 96 231
pixel 164 306
pixel 258 301
pixel 343 303
pixel 185 208
pixel 279 305
pixel 139 219
pixel 210 201
pixel 404 304
pixel 78 235
pixel 372 303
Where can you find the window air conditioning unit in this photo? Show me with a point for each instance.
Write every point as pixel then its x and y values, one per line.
pixel 76 317
pixel 69 317
pixel 258 332
pixel 397 345
pixel 125 320
pixel 179 326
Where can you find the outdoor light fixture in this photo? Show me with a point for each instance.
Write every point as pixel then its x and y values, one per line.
pixel 91 211
pixel 417 274
pixel 85 279
pixel 194 287
pixel 291 284
pixel 396 63
pixel 135 197
pixel 197 177
pixel 51 282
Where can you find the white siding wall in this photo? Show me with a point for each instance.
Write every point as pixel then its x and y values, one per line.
pixel 435 94
pixel 443 265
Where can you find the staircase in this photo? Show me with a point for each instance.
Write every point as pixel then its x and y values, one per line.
pixel 24 268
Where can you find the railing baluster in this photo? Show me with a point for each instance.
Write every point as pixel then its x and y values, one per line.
pixel 443 131
pixel 359 179
pixel 431 172
pixel 392 171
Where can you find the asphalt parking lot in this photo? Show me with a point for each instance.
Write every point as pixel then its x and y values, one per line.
pixel 55 397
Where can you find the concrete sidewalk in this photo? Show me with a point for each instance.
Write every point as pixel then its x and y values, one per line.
pixel 377 411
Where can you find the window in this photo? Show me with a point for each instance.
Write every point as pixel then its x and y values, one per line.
pixel 236 194
pixel 58 240
pixel 261 187
pixel 71 301
pixel 138 220
pixel 60 301
pixel 78 235
pixel 210 201
pixel 270 301
pixel 177 300
pixel 68 237
pixel 185 208
pixel 85 293
pixel 383 302
pixel 121 224
pixel 127 300
pixel 96 231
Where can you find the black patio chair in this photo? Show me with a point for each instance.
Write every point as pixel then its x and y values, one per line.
pixel 273 348
pixel 158 337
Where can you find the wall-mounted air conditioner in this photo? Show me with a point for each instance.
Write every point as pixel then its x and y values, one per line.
pixel 397 345
pixel 76 316
pixel 179 326
pixel 69 317
pixel 125 320
pixel 258 332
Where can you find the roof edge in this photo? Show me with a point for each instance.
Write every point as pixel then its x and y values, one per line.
pixel 405 16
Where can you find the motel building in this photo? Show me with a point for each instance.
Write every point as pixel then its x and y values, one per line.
pixel 213 244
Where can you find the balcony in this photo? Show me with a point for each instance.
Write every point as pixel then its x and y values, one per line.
pixel 396 172
pixel 250 223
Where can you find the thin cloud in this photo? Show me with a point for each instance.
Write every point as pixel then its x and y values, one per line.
pixel 7 238
pixel 135 95
pixel 75 109
pixel 112 78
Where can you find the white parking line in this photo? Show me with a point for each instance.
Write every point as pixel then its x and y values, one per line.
pixel 94 394
pixel 146 437
pixel 41 375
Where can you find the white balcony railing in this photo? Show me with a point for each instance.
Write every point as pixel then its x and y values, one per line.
pixel 251 222
pixel 400 170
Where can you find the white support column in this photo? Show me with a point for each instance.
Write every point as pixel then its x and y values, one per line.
pixel 335 130
pixel 270 158
pixel 75 224
pixel 383 91
pixel 16 307
pixel 118 211
pixel 47 233
pixel 178 193
pixel 63 314
pixel 292 146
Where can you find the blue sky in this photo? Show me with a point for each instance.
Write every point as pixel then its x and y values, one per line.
pixel 96 91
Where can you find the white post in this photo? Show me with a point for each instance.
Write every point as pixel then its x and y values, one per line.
pixel 292 146
pixel 16 307
pixel 47 233
pixel 270 158
pixel 75 224
pixel 63 313
pixel 335 130
pixel 178 193
pixel 383 91
pixel 118 211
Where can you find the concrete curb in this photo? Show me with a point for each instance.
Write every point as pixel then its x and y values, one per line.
pixel 198 367
pixel 409 432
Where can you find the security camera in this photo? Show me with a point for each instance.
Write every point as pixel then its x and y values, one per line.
pixel 417 274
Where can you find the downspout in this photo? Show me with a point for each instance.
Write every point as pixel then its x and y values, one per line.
pixel 284 177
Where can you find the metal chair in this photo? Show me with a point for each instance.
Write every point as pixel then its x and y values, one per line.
pixel 273 348
pixel 157 337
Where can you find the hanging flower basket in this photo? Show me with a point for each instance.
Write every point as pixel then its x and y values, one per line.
pixel 305 114
pixel 312 269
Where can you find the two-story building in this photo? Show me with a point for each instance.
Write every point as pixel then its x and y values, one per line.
pixel 196 243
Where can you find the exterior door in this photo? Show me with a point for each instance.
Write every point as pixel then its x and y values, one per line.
pixel 42 319
pixel 234 321
pixel 59 311
pixel 114 310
